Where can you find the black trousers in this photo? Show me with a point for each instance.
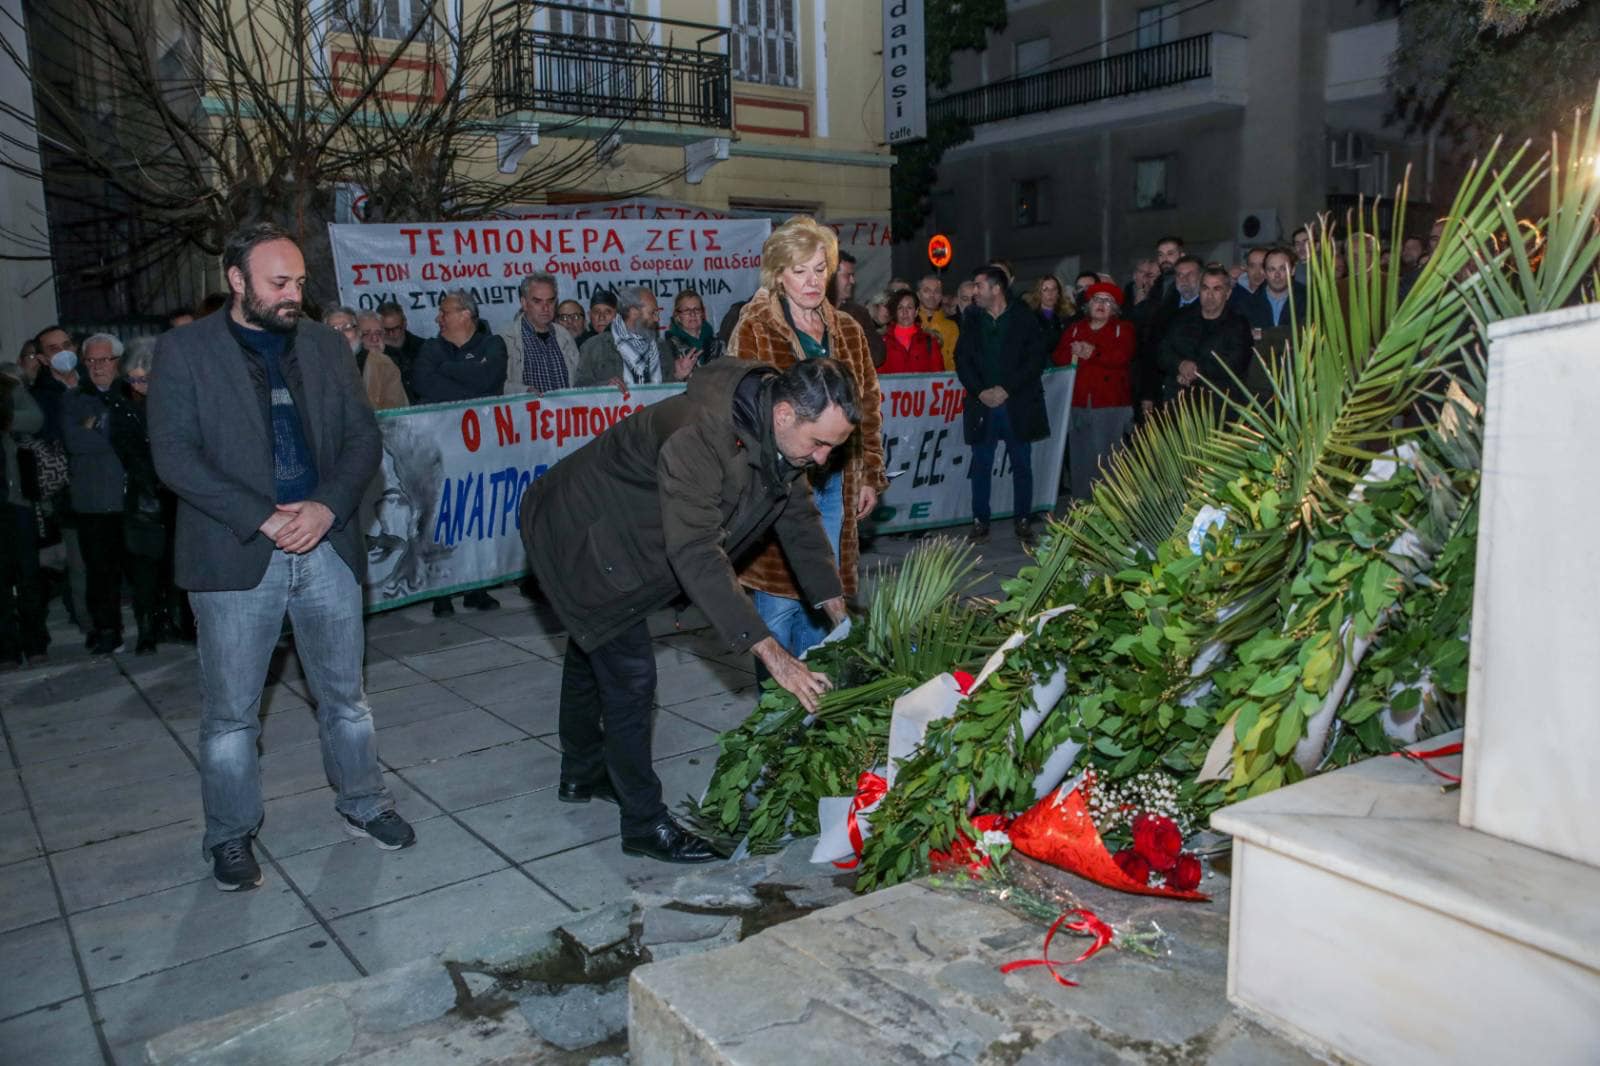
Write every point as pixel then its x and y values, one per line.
pixel 106 561
pixel 22 602
pixel 607 706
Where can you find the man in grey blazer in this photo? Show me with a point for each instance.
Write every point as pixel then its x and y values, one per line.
pixel 260 426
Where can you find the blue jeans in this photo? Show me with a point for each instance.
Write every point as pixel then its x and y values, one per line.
pixel 794 624
pixel 238 631
pixel 997 430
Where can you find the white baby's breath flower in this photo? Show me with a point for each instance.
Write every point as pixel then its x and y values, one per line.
pixel 994 838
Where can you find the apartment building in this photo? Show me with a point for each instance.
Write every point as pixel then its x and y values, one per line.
pixel 1101 125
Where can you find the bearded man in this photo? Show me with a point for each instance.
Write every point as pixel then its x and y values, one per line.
pixel 261 427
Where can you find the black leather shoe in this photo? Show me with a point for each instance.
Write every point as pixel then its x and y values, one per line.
pixel 577 792
pixel 670 842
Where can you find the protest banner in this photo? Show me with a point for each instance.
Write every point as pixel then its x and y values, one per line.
pixel 868 240
pixel 634 207
pixel 414 264
pixel 442 515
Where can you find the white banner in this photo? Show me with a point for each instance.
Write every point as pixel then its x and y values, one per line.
pixel 905 81
pixel 868 240
pixel 442 516
pixel 635 207
pixel 414 264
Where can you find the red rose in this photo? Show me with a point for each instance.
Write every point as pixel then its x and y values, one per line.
pixel 1133 864
pixel 1185 875
pixel 1156 838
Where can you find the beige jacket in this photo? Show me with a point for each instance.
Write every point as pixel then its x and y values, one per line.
pixel 381 379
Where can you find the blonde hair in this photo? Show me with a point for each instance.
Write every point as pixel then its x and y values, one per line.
pixel 1035 298
pixel 796 241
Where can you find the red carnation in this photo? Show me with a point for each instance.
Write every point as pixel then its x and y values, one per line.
pixel 1157 839
pixel 1133 864
pixel 1185 875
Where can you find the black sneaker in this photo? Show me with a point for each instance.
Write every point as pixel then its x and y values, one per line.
pixel 234 866
pixel 980 532
pixel 480 600
pixel 388 830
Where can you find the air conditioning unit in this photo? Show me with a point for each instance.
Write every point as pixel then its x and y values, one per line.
pixel 1259 226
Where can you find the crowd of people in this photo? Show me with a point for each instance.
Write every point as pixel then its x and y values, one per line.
pixel 80 486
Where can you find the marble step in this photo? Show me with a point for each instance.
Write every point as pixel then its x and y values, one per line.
pixel 1367 921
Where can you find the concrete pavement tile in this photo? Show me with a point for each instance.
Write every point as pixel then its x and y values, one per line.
pixel 358 874
pixel 675 736
pixel 432 636
pixel 535 824
pixel 722 711
pixel 38 969
pixel 308 820
pixel 63 683
pixel 151 933
pixel 522 620
pixel 429 923
pixel 695 678
pixel 538 716
pixel 287 771
pixel 25 708
pixel 62 737
pixel 60 1035
pixel 26 895
pixel 531 679
pixel 594 874
pixel 387 675
pixel 486 654
pixel 394 623
pixel 11 797
pixel 138 1010
pixel 549 646
pixel 111 768
pixel 130 866
pixel 481 777
pixel 18 838
pixel 72 820
pixel 443 737
pixel 685 776
pixel 425 700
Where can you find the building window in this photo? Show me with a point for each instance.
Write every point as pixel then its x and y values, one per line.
pixel 387 20
pixel 764 46
pixel 1157 25
pixel 1032 56
pixel 1028 206
pixel 1150 190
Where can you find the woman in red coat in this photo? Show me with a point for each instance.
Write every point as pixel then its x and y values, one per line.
pixel 908 348
pixel 1101 345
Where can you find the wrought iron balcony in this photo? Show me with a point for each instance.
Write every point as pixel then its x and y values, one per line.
pixel 1157 67
pixel 620 66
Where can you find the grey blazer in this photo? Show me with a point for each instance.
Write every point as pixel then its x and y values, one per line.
pixel 210 438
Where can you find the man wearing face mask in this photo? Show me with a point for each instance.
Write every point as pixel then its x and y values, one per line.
pixel 258 423
pixel 665 504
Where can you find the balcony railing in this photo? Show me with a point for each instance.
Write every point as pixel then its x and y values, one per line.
pixel 1158 67
pixel 685 80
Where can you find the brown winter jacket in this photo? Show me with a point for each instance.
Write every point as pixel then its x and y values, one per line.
pixel 764 334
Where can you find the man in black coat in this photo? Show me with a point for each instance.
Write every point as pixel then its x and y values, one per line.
pixel 260 426
pixel 1278 303
pixel 661 505
pixel 1000 358
pixel 400 344
pixel 1204 338
pixel 462 363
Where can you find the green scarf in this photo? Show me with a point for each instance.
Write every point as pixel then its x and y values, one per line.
pixel 705 342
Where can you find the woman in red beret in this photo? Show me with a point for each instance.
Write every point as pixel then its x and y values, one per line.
pixel 1101 346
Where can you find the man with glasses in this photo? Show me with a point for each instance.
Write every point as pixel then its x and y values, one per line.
pixel 402 343
pixel 691 341
pixel 540 358
pixel 461 363
pixel 570 316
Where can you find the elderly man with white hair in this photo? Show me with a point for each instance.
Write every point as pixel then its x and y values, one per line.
pixel 629 353
pixel 97 483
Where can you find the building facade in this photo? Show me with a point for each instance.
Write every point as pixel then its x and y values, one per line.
pixel 764 106
pixel 1101 125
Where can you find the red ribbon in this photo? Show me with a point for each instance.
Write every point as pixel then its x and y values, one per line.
pixel 1436 753
pixel 964 681
pixel 870 788
pixel 1086 922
